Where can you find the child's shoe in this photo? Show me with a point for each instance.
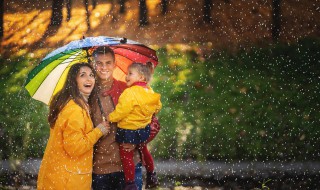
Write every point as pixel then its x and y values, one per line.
pixel 152 180
pixel 131 186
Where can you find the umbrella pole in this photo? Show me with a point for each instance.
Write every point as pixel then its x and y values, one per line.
pixel 89 61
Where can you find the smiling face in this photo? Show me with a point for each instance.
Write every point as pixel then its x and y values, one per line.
pixel 134 76
pixel 104 65
pixel 85 80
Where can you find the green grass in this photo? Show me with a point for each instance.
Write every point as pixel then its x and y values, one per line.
pixel 260 104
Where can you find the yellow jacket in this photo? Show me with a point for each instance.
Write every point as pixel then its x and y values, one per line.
pixel 135 108
pixel 67 160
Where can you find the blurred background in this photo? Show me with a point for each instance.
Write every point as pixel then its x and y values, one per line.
pixel 239 83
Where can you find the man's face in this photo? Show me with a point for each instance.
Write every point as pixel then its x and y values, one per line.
pixel 104 65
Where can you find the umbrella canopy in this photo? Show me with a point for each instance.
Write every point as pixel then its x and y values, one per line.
pixel 47 78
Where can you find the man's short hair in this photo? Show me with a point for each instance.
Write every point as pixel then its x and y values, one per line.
pixel 103 50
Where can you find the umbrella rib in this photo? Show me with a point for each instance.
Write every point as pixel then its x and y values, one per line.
pixel 73 58
pixel 66 67
pixel 127 47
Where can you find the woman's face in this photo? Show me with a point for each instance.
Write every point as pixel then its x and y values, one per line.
pixel 85 80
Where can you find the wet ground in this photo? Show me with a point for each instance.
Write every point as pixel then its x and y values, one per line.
pixel 197 175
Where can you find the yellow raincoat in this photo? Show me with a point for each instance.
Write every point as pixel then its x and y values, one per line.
pixel 135 108
pixel 67 161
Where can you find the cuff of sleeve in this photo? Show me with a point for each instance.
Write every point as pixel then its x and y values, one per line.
pixel 102 128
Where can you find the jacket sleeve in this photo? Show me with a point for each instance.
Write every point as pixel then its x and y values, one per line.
pixel 123 108
pixel 76 141
pixel 159 107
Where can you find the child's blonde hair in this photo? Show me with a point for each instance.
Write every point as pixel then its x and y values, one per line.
pixel 144 69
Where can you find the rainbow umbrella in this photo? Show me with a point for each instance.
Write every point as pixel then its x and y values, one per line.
pixel 49 76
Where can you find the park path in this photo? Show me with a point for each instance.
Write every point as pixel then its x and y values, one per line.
pixel 214 169
pixel 194 173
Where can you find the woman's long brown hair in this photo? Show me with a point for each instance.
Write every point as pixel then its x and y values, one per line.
pixel 69 91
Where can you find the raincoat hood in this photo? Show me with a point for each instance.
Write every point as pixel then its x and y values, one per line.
pixel 147 99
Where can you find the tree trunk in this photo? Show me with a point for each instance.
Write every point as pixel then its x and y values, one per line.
pixel 276 19
pixel 143 13
pixel 94 4
pixel 86 5
pixel 56 17
pixel 69 4
pixel 207 6
pixel 122 6
pixel 164 7
pixel 113 11
pixel 1 17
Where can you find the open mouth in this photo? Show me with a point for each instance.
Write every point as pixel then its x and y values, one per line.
pixel 88 85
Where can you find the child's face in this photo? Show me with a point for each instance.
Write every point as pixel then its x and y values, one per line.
pixel 133 76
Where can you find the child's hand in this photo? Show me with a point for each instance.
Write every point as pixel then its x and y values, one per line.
pixel 128 147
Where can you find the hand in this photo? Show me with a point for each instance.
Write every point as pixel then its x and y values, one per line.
pixel 128 147
pixel 107 126
pixel 104 127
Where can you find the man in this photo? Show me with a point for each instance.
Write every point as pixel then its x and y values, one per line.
pixel 107 167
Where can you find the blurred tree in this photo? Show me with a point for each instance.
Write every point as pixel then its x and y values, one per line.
pixel 113 10
pixel 69 4
pixel 207 6
pixel 56 17
pixel 143 13
pixel 86 5
pixel 23 125
pixel 276 19
pixel 164 6
pixel 122 6
pixel 1 17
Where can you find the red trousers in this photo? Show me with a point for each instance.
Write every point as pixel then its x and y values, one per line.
pixel 128 163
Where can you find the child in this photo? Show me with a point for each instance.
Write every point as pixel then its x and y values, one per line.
pixel 133 113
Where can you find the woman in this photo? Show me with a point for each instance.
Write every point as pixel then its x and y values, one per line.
pixel 67 161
